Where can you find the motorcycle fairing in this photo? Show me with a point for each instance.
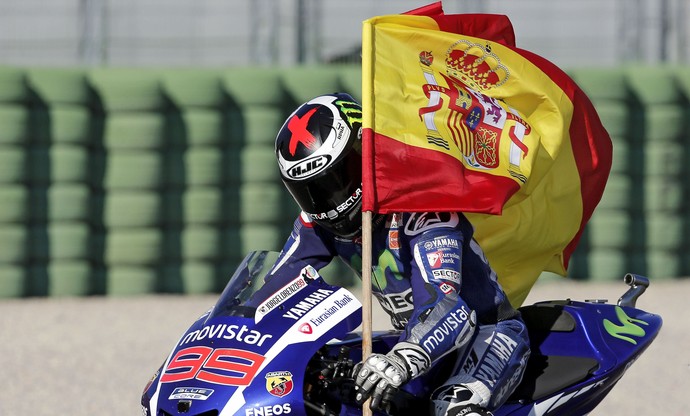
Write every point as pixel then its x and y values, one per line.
pixel 575 359
pixel 220 347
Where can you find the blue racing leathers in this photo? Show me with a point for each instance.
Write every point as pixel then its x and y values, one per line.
pixel 434 281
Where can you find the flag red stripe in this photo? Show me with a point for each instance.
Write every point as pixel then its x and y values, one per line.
pixel 493 27
pixel 431 181
pixel 590 142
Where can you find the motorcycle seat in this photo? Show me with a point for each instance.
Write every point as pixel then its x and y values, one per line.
pixel 547 374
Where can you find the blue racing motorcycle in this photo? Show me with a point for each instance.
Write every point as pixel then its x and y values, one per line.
pixel 271 348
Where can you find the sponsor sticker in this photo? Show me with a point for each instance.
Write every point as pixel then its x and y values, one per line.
pixel 397 302
pixel 446 274
pixel 442 242
pixel 446 288
pixel 496 358
pixel 305 305
pixel 275 410
pixel 434 259
pixel 305 328
pixel 337 305
pixel 355 198
pixel 240 333
pixel 286 292
pixel 279 383
pixel 190 393
pixel 450 329
pixel 317 320
pixel 393 240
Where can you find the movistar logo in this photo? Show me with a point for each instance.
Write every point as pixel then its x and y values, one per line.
pixel 351 110
pixel 627 329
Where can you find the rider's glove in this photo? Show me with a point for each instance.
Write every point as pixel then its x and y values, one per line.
pixel 380 375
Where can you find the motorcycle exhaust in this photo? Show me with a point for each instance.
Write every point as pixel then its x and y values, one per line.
pixel 638 284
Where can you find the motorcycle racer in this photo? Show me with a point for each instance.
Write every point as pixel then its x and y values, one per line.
pixel 430 275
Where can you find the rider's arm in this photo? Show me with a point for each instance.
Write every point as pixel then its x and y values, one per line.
pixel 305 244
pixel 441 321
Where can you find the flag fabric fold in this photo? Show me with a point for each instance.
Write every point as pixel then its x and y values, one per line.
pixel 457 118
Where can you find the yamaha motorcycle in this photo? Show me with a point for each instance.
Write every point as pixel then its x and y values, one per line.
pixel 272 347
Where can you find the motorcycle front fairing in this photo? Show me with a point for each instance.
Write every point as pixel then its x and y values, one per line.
pixel 249 352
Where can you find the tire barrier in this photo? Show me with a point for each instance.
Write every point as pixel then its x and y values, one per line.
pixel 124 181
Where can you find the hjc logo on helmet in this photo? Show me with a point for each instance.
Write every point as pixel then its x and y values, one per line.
pixel 305 168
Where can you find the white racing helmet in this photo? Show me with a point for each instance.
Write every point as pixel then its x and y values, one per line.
pixel 319 151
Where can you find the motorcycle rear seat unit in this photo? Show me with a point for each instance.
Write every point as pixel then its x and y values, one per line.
pixel 547 374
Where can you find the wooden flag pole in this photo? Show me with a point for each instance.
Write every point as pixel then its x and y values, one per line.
pixel 366 294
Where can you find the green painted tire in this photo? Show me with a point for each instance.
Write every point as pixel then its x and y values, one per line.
pixel 261 203
pixel 136 247
pixel 15 204
pixel 653 85
pixel 135 131
pixel 127 89
pixel 610 228
pixel 259 165
pixel 62 279
pixel 61 202
pixel 125 209
pixel 13 281
pixel 202 127
pixel 61 241
pixel 59 85
pixel 607 264
pixel 193 87
pixel 134 170
pixel 60 164
pixel 261 125
pixel 15 122
pixel 14 243
pixel 602 83
pixel 14 162
pixel 131 280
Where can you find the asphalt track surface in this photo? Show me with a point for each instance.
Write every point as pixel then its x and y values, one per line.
pixel 93 356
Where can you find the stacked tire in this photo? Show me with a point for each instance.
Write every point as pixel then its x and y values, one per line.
pixel 129 179
pixel 60 158
pixel 659 127
pixel 256 112
pixel 14 179
pixel 197 208
pixel 603 252
pixel 638 225
pixel 682 76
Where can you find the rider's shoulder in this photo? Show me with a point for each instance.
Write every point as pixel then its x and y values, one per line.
pixel 417 223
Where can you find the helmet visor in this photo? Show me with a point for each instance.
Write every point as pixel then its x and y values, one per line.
pixel 333 198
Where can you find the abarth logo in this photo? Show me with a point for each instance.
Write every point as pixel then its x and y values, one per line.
pixel 279 383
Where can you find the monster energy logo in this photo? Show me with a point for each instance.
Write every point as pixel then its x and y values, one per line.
pixel 629 327
pixel 352 111
pixel 386 262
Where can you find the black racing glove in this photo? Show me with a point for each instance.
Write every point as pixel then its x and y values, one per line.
pixel 380 375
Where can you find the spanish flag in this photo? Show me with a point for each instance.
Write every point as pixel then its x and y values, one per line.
pixel 457 118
